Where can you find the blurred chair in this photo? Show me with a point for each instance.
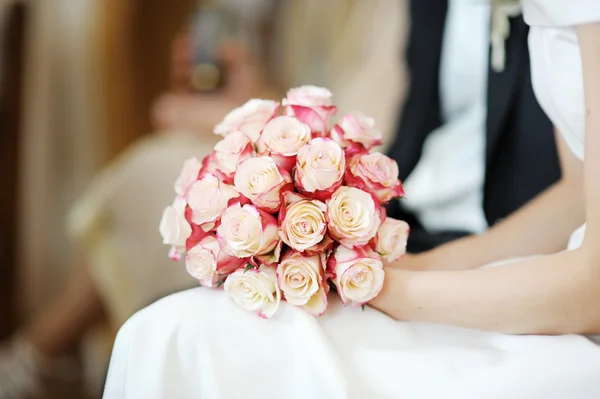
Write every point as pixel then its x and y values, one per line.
pixel 115 223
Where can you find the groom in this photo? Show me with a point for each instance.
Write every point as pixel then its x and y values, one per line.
pixel 473 144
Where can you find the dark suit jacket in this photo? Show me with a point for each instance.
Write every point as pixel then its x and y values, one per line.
pixel 521 157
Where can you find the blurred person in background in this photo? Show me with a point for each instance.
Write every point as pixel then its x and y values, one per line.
pixel 115 221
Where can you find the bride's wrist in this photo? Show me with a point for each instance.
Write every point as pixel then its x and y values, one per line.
pixel 393 299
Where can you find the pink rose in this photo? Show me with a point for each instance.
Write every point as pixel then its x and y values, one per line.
pixel 255 290
pixel 282 137
pixel 233 149
pixel 357 128
pixel 303 224
pixel 320 166
pixel 187 177
pixel 208 198
pixel 210 166
pixel 308 96
pixel 311 105
pixel 199 232
pixel 375 173
pixel 390 241
pixel 302 280
pixel 246 231
pixel 174 228
pixel 353 216
pixel 261 180
pixel 208 264
pixel 358 274
pixel 249 119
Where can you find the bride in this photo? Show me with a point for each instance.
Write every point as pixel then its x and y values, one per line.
pixel 431 333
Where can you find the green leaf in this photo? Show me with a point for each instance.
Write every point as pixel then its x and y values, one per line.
pixel 248 267
pixel 221 281
pixel 363 306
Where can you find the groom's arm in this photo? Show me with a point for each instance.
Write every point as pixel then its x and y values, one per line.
pixel 542 226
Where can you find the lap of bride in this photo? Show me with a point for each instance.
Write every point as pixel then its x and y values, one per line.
pixel 205 346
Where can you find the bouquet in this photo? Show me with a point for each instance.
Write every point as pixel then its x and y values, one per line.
pixel 286 205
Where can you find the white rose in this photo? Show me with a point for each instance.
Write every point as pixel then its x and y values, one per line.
pixel 356 127
pixel 246 231
pixel 308 96
pixel 391 238
pixel 311 105
pixel 234 148
pixel 254 290
pixel 304 224
pixel 249 119
pixel 301 280
pixel 187 177
pixel 207 263
pixel 320 166
pixel 284 135
pixel 174 228
pixel 260 180
pixel 375 173
pixel 358 274
pixel 353 216
pixel 208 198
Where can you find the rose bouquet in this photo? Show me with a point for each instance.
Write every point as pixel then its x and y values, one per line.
pixel 286 205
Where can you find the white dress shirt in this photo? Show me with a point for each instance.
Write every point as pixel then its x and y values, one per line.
pixel 445 190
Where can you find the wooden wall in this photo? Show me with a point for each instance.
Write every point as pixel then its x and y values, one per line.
pixel 10 113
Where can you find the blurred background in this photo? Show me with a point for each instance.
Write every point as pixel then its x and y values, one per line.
pixel 100 103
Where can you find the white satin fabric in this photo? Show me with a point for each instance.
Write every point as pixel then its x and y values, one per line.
pixel 198 344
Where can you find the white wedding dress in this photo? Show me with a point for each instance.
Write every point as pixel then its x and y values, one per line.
pixel 198 344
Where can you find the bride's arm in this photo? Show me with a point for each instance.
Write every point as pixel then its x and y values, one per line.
pixel 555 294
pixel 589 43
pixel 543 226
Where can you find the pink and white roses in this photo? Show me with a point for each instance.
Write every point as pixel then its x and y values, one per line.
pixel 249 119
pixel 311 105
pixel 174 228
pixel 187 177
pixel 358 274
pixel 208 198
pixel 353 216
pixel 285 206
pixel 246 231
pixel 303 226
pixel 320 166
pixel 282 137
pixel 255 290
pixel 356 128
pixel 375 173
pixel 233 149
pixel 302 280
pixel 390 241
pixel 206 262
pixel 261 180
